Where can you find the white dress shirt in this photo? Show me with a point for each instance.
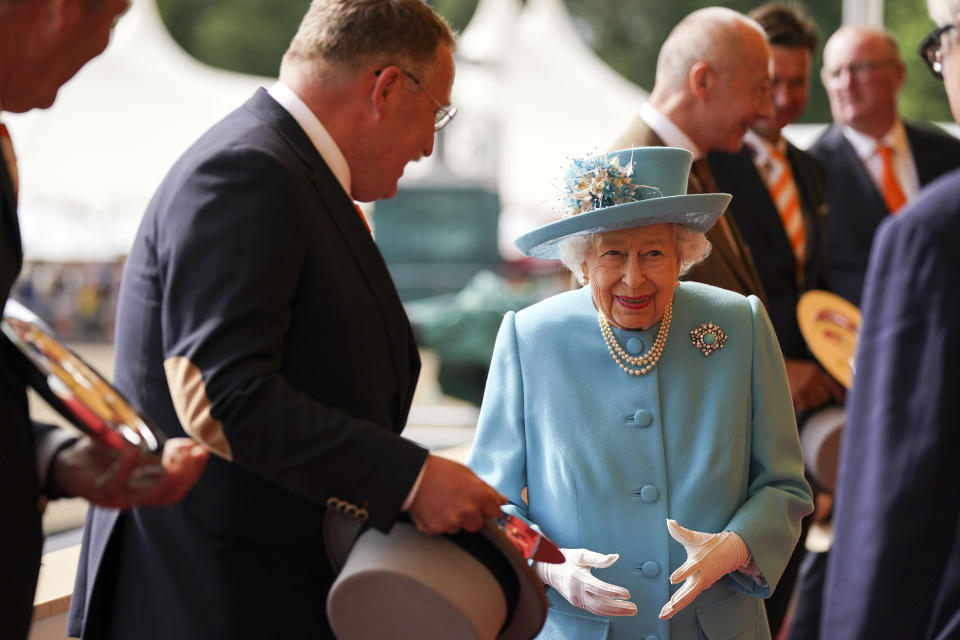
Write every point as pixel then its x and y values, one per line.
pixel 668 131
pixel 315 130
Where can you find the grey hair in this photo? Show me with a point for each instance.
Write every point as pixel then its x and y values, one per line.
pixel 943 12
pixel 692 248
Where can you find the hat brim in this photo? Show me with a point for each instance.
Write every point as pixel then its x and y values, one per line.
pixel 697 211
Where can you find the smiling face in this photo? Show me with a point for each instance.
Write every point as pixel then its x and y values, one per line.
pixel 789 90
pixel 632 274
pixel 862 74
pixel 741 94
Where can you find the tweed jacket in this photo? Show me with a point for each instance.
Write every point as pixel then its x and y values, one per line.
pixel 730 264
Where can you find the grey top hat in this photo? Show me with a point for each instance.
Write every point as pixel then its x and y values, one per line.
pixel 622 190
pixel 406 585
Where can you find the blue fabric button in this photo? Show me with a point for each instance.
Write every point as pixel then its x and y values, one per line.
pixel 635 346
pixel 652 638
pixel 650 569
pixel 649 493
pixel 643 418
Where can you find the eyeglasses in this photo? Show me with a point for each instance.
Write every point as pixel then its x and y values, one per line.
pixel 444 114
pixel 857 70
pixel 935 46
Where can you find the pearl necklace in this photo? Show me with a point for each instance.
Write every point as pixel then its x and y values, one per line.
pixel 640 364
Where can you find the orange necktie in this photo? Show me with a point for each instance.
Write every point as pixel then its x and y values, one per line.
pixel 892 193
pixel 9 157
pixel 783 191
pixel 362 217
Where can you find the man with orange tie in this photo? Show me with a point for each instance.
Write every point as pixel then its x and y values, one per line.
pixel 874 161
pixel 779 204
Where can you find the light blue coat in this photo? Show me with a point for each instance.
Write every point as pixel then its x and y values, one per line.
pixel 607 457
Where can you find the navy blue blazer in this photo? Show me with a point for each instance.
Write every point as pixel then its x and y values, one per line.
pixel 759 223
pixel 894 568
pixel 856 205
pixel 252 272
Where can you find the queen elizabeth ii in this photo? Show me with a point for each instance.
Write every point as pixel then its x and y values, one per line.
pixel 643 423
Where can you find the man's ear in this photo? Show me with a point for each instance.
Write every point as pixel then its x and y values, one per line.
pixel 701 79
pixel 389 80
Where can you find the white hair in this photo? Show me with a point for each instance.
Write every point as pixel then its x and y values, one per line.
pixel 692 248
pixel 943 12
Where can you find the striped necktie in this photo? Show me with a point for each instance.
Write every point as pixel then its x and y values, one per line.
pixel 9 157
pixel 783 192
pixel 892 193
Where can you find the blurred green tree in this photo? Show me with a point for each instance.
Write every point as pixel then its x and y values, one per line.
pixel 251 35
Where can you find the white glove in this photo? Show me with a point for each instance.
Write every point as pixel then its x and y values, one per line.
pixel 710 556
pixel 573 581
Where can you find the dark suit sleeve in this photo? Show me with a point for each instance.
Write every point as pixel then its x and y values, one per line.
pixel 230 253
pixel 897 505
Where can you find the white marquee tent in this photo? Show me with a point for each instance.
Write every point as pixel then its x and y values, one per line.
pixel 90 164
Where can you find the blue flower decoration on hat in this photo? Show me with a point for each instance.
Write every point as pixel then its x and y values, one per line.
pixel 623 190
pixel 595 182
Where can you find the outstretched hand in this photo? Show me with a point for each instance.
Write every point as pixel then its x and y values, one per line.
pixel 451 497
pixel 573 581
pixel 710 556
pixel 122 478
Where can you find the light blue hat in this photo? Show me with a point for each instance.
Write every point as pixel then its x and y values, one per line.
pixel 622 190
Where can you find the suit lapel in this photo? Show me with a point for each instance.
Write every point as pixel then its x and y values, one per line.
pixel 813 204
pixel 861 182
pixel 367 258
pixel 11 254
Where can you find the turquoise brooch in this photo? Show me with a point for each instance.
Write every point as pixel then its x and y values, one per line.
pixel 708 337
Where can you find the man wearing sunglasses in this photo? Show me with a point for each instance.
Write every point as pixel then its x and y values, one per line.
pixel 874 161
pixel 894 568
pixel 257 313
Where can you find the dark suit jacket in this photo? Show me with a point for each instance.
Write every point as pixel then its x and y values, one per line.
pixel 894 567
pixel 759 223
pixel 20 537
pixel 729 265
pixel 252 265
pixel 856 205
pixel 22 445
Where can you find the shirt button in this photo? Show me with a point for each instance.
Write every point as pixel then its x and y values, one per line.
pixel 652 638
pixel 650 569
pixel 643 418
pixel 634 345
pixel 649 493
